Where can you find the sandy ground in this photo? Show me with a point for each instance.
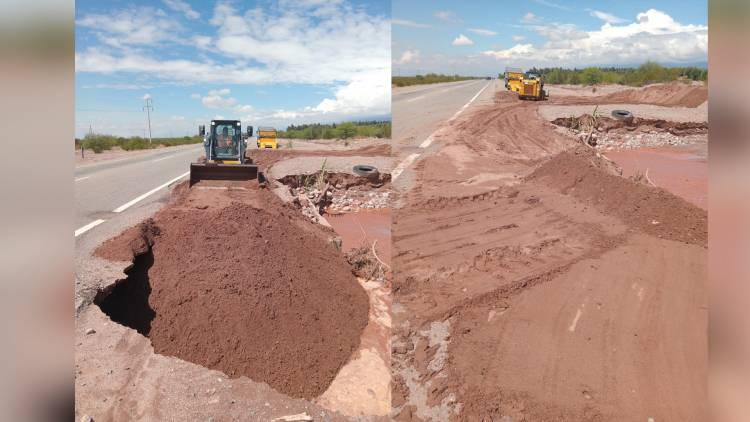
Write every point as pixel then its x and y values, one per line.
pixel 555 294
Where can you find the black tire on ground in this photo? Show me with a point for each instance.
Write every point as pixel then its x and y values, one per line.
pixel 366 171
pixel 622 114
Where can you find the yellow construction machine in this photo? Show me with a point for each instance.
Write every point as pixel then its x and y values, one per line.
pixel 532 88
pixel 513 79
pixel 267 138
pixel 225 146
pixel 528 85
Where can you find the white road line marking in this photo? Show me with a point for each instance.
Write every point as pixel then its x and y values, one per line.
pixel 415 98
pixel 396 172
pixel 127 205
pixel 427 141
pixel 469 103
pixel 575 321
pixel 88 227
pixel 81 178
pixel 162 158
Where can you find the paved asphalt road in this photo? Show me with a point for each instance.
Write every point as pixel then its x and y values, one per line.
pixel 102 188
pixel 419 111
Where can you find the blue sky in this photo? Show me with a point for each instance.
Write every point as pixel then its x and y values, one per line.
pixel 264 62
pixel 482 37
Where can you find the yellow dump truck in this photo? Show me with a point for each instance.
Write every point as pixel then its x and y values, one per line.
pixel 513 79
pixel 267 138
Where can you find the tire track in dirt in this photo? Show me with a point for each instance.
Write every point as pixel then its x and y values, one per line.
pixel 480 244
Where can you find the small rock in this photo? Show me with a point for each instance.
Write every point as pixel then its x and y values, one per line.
pixel 90 331
pixel 87 418
pixel 399 349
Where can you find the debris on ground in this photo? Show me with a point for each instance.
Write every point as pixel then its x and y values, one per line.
pixel 607 133
pixel 300 417
pixel 366 263
pixel 321 193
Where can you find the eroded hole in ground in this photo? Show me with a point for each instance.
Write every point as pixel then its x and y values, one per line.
pixel 607 133
pixel 127 302
pixel 333 193
pixel 248 291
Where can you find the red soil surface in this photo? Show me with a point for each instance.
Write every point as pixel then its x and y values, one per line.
pixel 532 283
pixel 678 170
pixel 245 285
pixel 675 94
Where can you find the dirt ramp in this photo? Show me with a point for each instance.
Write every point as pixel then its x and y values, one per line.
pixel 586 176
pixel 675 94
pixel 246 291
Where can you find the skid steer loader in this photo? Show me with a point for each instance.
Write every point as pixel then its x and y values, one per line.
pixel 225 146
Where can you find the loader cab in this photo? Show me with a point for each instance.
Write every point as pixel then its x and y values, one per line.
pixel 225 142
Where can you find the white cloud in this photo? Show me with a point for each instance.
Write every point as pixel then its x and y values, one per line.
pixel 482 31
pixel 146 97
pixel 182 7
pixel 266 46
pixel 218 98
pixel 462 40
pixel 135 26
pixel 606 17
pixel 551 4
pixel 518 50
pixel 178 118
pixel 202 41
pixel 411 24
pixel 518 38
pixel 369 92
pixel 244 109
pixel 329 43
pixel 447 16
pixel 408 56
pixel 654 36
pixel 530 18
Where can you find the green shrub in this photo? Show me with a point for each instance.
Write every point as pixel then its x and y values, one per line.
pixel 430 78
pixel 647 73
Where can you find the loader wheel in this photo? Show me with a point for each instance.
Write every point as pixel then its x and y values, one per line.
pixel 369 172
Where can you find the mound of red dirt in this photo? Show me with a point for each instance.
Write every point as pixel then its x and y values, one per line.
pixel 675 94
pixel 581 173
pixel 244 290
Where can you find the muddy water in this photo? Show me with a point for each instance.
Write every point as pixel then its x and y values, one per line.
pixel 364 227
pixel 682 171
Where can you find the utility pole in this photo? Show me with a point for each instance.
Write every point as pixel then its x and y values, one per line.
pixel 148 107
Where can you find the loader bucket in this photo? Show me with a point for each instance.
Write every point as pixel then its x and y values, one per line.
pixel 199 171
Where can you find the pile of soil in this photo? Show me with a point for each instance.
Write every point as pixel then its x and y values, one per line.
pixel 608 124
pixel 581 173
pixel 674 94
pixel 245 290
